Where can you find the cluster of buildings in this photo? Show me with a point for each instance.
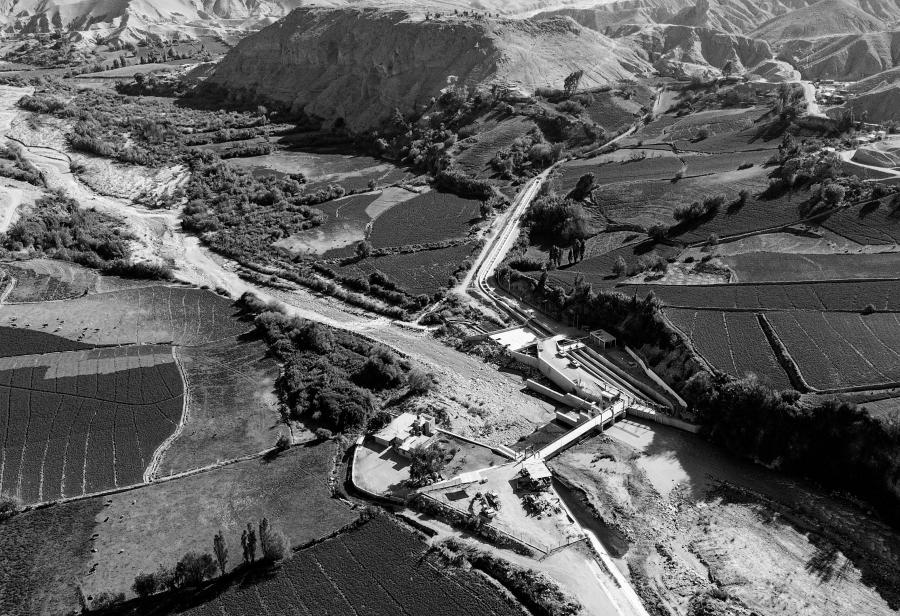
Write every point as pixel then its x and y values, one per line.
pixel 406 432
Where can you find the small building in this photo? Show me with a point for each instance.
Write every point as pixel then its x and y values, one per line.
pixel 535 476
pixel 602 339
pixel 405 426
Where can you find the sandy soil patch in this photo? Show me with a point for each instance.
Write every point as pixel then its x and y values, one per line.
pixel 689 521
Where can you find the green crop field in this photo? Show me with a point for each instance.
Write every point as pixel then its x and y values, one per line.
pixel 841 349
pixel 871 223
pixel 777 267
pixel 80 422
pixel 431 217
pixel 376 569
pixel 831 296
pixel 426 271
pixel 732 342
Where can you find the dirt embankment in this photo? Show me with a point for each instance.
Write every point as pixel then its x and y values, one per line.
pixel 692 540
pixel 359 65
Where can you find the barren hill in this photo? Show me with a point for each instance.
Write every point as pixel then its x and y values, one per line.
pixel 361 64
pixel 847 57
pixel 825 18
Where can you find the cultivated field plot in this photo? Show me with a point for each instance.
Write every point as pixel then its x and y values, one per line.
pixel 41 280
pixel 426 271
pixel 84 421
pixel 715 121
pixel 756 215
pixel 612 112
pixel 723 162
pixel 830 296
pixel 232 406
pixel 345 224
pixel 662 166
pixel 159 522
pixel 41 552
pixel 475 153
pixel 148 315
pixel 15 341
pixel 841 349
pixel 732 342
pixel 872 223
pixel 649 202
pixel 377 569
pixel 431 217
pixel 322 167
pixel 598 270
pixel 777 267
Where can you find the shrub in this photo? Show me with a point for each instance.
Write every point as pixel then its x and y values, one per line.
pixel 869 309
pixel 144 584
pixel 9 506
pixel 273 543
pixel 418 381
pixel 193 568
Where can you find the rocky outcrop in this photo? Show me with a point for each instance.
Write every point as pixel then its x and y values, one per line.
pixel 683 51
pixel 359 65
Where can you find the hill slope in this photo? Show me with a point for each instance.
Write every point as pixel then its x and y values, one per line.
pixel 361 64
pixel 824 18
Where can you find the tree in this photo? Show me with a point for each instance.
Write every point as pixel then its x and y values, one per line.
pixel 570 256
pixel 221 551
pixel 165 578
pixel 570 84
pixel 583 187
pixel 363 249
pixel 144 584
pixel 248 542
pixel 426 464
pixel 833 194
pixel 282 443
pixel 620 267
pixel 273 542
pixel 193 568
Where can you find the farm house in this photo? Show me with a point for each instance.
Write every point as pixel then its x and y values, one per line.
pixel 406 432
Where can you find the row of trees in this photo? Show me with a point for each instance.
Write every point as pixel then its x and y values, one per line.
pixel 194 568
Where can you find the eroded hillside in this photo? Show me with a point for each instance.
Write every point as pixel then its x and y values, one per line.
pixel 360 65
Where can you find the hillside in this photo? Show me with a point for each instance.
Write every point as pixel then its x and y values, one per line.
pixel 847 57
pixel 824 18
pixel 361 64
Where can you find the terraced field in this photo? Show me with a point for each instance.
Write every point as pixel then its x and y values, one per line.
pixel 841 349
pixel 149 315
pixel 431 217
pixel 233 408
pixel 608 169
pixel 873 223
pixel 786 267
pixel 732 342
pixel 475 153
pixel 828 296
pixel 377 569
pixel 15 341
pixel 426 271
pixel 80 422
pixel 44 280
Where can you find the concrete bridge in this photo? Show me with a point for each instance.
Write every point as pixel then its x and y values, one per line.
pixel 608 415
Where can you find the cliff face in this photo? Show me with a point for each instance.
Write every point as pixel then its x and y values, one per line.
pixel 361 64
